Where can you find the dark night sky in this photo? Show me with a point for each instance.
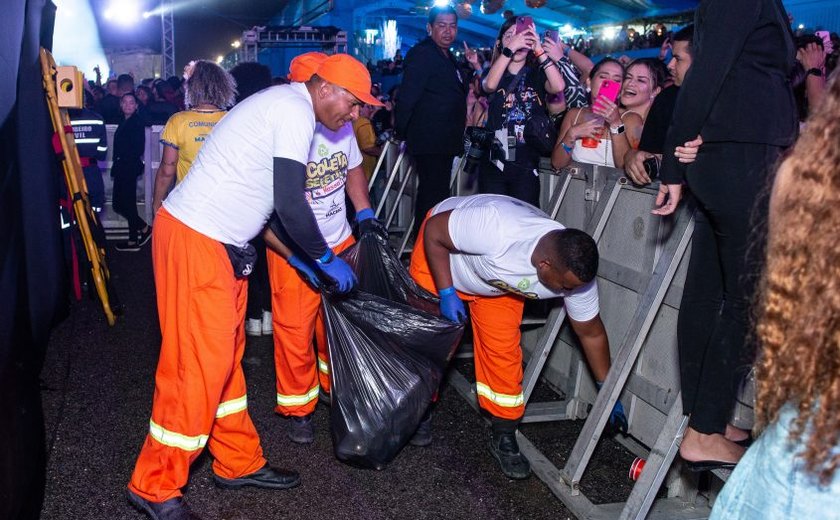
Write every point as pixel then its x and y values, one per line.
pixel 203 28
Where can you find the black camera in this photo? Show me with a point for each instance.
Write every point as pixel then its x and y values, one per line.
pixel 477 141
pixel 652 167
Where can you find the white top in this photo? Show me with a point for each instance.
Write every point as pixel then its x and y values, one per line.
pixel 332 154
pixel 601 155
pixel 495 236
pixel 229 192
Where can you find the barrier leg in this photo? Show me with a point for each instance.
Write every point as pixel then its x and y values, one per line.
pixel 403 184
pixel 391 178
pixel 631 346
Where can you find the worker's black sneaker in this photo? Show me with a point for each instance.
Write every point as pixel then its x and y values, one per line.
pixel 505 450
pixel 423 435
pixel 324 396
pixel 266 478
pixel 301 429
pixel 172 509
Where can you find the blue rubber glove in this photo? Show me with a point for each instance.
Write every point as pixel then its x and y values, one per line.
pixel 368 223
pixel 305 271
pixel 618 419
pixel 338 270
pixel 451 307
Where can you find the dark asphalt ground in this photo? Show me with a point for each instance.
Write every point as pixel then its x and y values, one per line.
pixel 98 384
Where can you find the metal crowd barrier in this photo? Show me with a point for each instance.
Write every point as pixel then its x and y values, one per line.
pixel 395 201
pixel 643 262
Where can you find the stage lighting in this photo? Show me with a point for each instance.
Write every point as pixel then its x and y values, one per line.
pixel 124 12
pixel 441 3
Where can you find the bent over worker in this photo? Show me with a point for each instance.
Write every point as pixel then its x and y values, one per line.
pixel 253 163
pixel 494 252
pixel 334 168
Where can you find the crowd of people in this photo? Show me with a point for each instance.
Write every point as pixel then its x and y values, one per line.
pixel 293 157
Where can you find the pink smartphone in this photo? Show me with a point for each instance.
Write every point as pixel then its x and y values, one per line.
pixel 523 23
pixel 609 89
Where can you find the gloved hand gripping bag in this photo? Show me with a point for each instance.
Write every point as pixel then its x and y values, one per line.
pixel 388 351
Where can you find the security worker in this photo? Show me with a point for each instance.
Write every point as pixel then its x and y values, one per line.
pixel 494 252
pixel 252 164
pixel 92 143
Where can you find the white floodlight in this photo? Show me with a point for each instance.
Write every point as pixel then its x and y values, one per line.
pixel 610 33
pixel 122 12
pixel 441 3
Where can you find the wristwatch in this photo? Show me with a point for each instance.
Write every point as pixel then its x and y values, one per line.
pixel 617 130
pixel 815 72
pixel 507 53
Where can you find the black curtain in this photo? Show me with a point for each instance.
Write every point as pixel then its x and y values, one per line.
pixel 33 285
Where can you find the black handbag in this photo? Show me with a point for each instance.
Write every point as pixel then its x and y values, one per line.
pixel 540 132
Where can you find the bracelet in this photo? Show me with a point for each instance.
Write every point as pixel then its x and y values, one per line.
pixel 547 63
pixel 566 147
pixel 446 292
pixel 538 55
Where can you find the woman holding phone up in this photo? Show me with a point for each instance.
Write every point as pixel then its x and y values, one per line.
pixel 587 133
pixel 523 71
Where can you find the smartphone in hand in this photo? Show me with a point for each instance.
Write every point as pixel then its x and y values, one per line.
pixel 552 35
pixel 523 23
pixel 609 89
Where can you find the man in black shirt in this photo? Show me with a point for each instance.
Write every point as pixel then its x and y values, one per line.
pixel 431 109
pixel 659 117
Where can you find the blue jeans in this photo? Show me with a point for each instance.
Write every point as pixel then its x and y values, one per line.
pixel 770 482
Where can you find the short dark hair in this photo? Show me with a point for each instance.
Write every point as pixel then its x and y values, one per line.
pixel 686 34
pixel 577 252
pixel 438 10
pixel 124 80
pixel 251 77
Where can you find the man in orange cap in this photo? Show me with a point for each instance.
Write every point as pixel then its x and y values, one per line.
pixel 252 165
pixel 334 168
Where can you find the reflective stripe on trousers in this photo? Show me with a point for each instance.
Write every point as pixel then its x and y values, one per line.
pixel 504 400
pixel 297 400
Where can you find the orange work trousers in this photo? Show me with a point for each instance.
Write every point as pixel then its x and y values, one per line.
pixel 200 397
pixel 296 313
pixel 496 341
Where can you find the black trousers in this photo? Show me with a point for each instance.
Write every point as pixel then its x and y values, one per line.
pixel 433 174
pixel 731 183
pixel 516 181
pixel 125 196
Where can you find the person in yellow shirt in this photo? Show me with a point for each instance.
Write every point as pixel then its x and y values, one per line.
pixel 366 138
pixel 210 91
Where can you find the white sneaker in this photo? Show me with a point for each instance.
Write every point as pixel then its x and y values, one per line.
pixel 253 327
pixel 267 324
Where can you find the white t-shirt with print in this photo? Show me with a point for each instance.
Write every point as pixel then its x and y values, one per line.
pixel 228 194
pixel 495 236
pixel 332 154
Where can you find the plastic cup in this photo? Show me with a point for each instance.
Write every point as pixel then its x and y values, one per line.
pixel 589 142
pixel 636 468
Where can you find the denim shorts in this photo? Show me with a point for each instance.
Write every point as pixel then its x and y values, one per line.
pixel 770 481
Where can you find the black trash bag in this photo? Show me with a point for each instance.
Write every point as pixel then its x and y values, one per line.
pixel 388 351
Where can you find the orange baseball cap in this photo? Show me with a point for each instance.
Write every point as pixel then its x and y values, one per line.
pixel 304 66
pixel 350 74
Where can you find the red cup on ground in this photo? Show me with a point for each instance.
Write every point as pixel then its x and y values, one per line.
pixel 636 468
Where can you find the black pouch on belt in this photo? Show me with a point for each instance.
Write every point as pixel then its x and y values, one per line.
pixel 242 259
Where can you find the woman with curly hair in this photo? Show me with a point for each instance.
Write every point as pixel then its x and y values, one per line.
pixel 209 92
pixel 791 470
